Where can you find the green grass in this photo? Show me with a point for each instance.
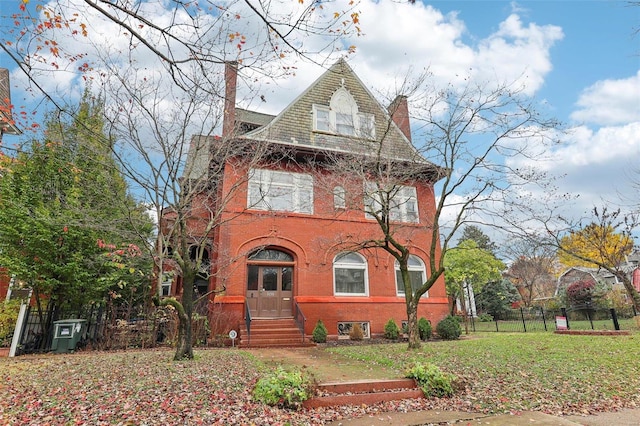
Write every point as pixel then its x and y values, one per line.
pixel 518 371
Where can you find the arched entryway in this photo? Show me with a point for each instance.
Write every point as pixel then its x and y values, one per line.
pixel 270 283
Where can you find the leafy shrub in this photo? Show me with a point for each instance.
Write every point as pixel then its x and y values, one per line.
pixel 391 330
pixel 9 311
pixel 356 332
pixel 485 317
pixel 424 328
pixel 433 381
pixel 288 389
pixel 581 292
pixel 319 333
pixel 449 328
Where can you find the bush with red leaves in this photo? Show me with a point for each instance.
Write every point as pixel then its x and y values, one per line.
pixel 581 291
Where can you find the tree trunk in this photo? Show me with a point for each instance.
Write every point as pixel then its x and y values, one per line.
pixel 411 301
pixel 184 346
pixel 414 332
pixel 183 350
pixel 631 290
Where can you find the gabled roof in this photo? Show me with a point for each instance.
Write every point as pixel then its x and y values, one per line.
pixel 294 125
pixel 6 119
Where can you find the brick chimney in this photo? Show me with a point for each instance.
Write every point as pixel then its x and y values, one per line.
pixel 230 82
pixel 399 110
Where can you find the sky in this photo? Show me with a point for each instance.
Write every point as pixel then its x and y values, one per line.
pixel 580 59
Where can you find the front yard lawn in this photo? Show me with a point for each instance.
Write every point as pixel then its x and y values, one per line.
pixel 503 372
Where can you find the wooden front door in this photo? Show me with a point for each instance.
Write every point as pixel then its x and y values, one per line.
pixel 270 290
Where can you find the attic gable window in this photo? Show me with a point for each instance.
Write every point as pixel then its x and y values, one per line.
pixel 342 117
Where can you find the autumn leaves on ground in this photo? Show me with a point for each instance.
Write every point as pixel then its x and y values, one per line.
pixel 500 372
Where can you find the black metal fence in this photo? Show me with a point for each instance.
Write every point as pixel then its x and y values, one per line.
pixel 107 327
pixel 539 319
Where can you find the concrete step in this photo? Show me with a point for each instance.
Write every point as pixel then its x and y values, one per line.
pixel 363 392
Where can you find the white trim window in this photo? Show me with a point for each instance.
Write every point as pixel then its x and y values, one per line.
pixel 417 273
pixel 350 275
pixel 339 198
pixel 280 191
pixel 399 202
pixel 167 282
pixel 342 117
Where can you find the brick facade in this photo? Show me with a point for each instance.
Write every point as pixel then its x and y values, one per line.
pixel 313 240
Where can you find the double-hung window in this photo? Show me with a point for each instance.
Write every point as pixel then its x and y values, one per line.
pixel 417 275
pixel 400 203
pixel 280 191
pixel 350 275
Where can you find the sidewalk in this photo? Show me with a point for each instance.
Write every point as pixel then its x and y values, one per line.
pixel 427 418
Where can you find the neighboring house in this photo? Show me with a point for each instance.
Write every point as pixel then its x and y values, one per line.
pixel 4 283
pixel 8 127
pixel 580 273
pixel 279 232
pixel 631 267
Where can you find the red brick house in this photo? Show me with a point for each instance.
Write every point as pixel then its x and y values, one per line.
pixel 7 126
pixel 279 251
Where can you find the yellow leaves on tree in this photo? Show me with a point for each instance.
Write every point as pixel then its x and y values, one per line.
pixel 593 246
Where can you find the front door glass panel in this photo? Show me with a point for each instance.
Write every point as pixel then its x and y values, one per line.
pixel 270 279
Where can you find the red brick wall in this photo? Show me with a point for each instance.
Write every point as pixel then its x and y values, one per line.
pixel 4 283
pixel 313 240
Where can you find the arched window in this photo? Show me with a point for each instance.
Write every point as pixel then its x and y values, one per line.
pixel 350 275
pixel 271 255
pixel 339 198
pixel 342 117
pixel 417 273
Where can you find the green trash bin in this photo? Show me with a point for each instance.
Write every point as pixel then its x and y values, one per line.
pixel 67 334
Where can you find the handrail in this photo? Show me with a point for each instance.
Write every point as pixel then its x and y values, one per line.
pixel 297 314
pixel 247 320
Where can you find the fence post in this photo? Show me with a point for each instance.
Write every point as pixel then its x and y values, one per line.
pixel 544 320
pixel 614 317
pixel 564 314
pixel 524 323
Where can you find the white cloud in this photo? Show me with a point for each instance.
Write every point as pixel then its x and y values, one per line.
pixel 610 102
pixel 399 37
pixel 591 165
pixel 518 52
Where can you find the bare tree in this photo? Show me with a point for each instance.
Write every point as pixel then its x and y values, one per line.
pixel 159 66
pixel 459 164
pixel 533 267
pixel 64 37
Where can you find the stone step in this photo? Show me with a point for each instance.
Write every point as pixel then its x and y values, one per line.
pixel 364 392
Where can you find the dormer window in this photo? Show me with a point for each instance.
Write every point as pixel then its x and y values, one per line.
pixel 342 117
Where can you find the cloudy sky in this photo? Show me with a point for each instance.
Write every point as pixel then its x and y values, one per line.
pixel 580 59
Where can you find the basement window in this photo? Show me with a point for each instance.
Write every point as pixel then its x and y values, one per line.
pixel 344 328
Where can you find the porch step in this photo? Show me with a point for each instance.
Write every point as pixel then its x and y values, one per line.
pixel 268 333
pixel 363 392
